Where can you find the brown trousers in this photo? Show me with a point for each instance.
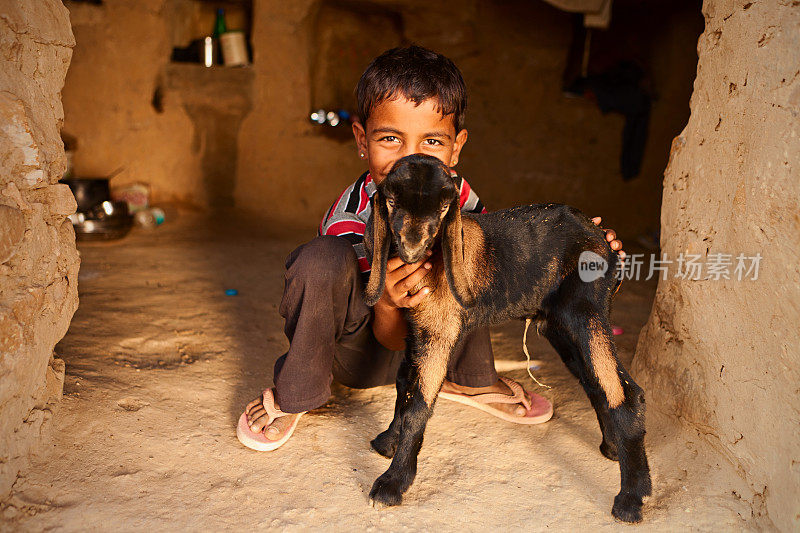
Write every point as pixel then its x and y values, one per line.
pixel 330 334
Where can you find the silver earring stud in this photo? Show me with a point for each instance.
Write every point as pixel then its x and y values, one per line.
pixel 361 155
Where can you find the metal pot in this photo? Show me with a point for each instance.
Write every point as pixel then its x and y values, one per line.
pixel 88 192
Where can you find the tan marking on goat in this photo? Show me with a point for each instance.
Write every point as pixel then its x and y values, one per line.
pixel 471 271
pixel 477 267
pixel 432 371
pixel 605 365
pixel 439 316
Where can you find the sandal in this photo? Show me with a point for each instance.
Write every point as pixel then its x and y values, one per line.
pixel 538 409
pixel 259 441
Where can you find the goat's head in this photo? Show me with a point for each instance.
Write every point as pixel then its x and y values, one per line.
pixel 417 202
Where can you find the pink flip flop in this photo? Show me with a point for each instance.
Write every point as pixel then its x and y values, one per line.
pixel 538 408
pixel 258 441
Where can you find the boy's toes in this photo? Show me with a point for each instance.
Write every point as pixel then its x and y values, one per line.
pixel 263 426
pixel 257 402
pixel 255 412
pixel 273 431
pixel 279 426
pixel 258 422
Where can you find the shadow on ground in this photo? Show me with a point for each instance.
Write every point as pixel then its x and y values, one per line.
pixel 160 363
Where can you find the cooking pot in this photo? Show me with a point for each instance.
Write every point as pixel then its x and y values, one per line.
pixel 88 192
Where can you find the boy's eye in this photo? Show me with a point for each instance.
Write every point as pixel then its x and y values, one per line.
pixel 433 142
pixel 389 138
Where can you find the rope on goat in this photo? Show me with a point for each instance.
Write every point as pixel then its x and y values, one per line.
pixel 528 356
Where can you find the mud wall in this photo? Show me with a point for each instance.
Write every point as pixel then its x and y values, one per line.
pixel 112 107
pixel 722 354
pixel 38 259
pixel 528 142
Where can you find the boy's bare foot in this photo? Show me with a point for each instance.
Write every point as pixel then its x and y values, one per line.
pixel 516 409
pixel 257 419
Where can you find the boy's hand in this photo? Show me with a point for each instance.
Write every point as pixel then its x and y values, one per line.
pixel 400 278
pixel 611 237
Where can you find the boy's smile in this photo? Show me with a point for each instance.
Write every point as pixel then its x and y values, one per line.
pixel 399 127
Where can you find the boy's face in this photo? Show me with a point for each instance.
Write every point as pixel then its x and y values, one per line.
pixel 399 127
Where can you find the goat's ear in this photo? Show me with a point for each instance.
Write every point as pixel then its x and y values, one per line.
pixel 378 235
pixel 453 256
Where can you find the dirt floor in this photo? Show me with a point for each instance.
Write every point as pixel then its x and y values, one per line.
pixel 160 363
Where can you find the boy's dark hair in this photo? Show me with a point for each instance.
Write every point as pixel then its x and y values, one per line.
pixel 417 74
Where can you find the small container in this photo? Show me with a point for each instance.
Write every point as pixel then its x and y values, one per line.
pixel 159 215
pixel 234 48
pixel 136 195
pixel 149 218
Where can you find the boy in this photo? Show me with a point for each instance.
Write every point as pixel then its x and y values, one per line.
pixel 410 100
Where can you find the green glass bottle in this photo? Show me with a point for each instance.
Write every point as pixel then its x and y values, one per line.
pixel 219 24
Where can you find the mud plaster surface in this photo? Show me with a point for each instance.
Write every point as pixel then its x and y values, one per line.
pixel 160 363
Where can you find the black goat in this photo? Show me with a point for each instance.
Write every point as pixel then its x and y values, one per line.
pixel 515 263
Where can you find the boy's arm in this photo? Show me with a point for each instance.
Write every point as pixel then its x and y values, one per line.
pixel 469 200
pixel 388 317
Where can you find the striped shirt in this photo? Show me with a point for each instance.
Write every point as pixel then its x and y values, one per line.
pixel 347 217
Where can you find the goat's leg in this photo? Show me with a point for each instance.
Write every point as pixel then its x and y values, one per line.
pixel 589 329
pixel 426 373
pixel 386 442
pixel 572 359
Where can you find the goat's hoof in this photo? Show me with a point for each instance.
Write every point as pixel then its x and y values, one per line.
pixel 627 507
pixel 609 451
pixel 386 491
pixel 385 444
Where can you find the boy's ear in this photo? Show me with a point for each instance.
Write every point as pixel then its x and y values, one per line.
pixel 377 239
pixel 461 140
pixel 361 137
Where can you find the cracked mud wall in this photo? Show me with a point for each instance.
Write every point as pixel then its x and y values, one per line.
pixel 724 355
pixel 38 258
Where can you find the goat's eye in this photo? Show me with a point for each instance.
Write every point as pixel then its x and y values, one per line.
pixel 444 208
pixel 390 202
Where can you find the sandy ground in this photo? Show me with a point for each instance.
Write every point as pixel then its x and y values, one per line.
pixel 160 363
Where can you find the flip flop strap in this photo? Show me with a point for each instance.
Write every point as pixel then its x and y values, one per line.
pixel 518 395
pixel 268 401
pixel 519 392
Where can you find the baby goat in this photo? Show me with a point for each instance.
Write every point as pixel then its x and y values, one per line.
pixel 515 263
